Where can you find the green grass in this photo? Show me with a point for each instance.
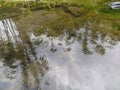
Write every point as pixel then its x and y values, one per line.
pixel 94 6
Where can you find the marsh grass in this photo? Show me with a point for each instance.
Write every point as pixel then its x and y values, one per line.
pixel 96 6
pixel 78 13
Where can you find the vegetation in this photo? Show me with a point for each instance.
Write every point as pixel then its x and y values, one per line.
pixel 87 10
pixel 97 6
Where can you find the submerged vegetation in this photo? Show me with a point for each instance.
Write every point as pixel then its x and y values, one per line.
pixel 63 14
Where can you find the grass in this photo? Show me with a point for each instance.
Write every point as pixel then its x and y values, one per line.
pixel 80 11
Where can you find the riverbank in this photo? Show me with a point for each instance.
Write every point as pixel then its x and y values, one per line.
pixel 18 8
pixel 63 16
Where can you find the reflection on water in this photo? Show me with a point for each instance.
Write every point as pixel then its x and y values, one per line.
pixel 79 60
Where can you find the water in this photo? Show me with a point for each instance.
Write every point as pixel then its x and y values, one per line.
pixel 81 60
pixel 115 5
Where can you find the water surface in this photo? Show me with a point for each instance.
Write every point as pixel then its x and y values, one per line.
pixel 78 60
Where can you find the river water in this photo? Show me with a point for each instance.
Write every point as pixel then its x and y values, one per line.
pixel 85 60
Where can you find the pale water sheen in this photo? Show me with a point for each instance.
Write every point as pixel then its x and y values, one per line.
pixel 78 61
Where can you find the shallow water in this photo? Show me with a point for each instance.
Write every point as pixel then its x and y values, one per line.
pixel 83 60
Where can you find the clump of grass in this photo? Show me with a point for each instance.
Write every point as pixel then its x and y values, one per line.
pixel 116 26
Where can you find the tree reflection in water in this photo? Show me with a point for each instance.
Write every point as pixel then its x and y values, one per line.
pixel 17 51
pixel 23 51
